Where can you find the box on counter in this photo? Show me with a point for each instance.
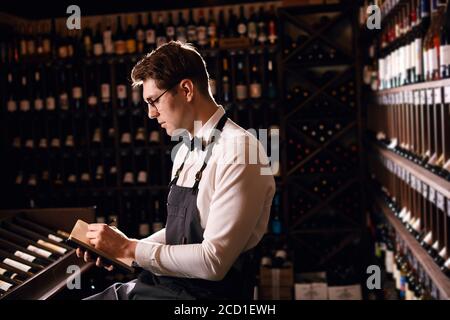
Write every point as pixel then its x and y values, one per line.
pixel 275 293
pixel 311 286
pixel 351 292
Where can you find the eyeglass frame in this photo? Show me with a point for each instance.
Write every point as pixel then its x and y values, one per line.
pixel 153 102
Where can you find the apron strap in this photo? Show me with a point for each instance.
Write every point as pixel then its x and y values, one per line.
pixel 209 146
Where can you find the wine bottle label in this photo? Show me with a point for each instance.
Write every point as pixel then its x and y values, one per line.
pixel 107 41
pixel 30 47
pixel 156 226
pixel 242 29
pixel 192 33
pixel 213 86
pixel 64 101
pixel 120 47
pixel 202 35
pixel 170 31
pixel 144 229
pixel 55 143
pixel 98 49
pixel 131 45
pixel 160 41
pixel 92 101
pixel 255 90
pixel 181 34
pixel 99 172
pixel 128 178
pixel 142 177
pixel 121 91
pixel 447 94
pixel 32 181
pixel 38 104
pixel 100 220
pixel 97 136
pixel 77 92
pixel 113 170
pixel 43 143
pixel 430 96
pixel 389 259
pixel 272 32
pixel 85 177
pixel 63 52
pixel 39 251
pixel 24 105
pixel 126 138
pixel 52 246
pixel 154 136
pixel 55 238
pixel 19 179
pixel 252 31
pixel 105 92
pixel 50 103
pixel 437 95
pixel 17 265
pixel 5 286
pixel 69 141
pixel 136 97
pixel 241 92
pixel 140 35
pixel 29 143
pixel 445 55
pixel 150 36
pixel 16 142
pixel 24 256
pixel 140 135
pixel 11 106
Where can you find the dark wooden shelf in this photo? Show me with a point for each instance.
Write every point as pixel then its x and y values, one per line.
pixel 440 280
pixel 434 181
pixel 416 86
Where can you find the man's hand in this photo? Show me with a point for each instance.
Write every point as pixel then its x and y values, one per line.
pixel 109 240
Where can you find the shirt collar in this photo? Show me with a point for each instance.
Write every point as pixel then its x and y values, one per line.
pixel 205 131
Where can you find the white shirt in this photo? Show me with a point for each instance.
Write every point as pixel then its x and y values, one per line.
pixel 234 201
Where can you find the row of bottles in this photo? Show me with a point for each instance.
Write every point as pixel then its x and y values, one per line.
pixel 139 36
pixel 401 266
pixel 420 207
pixel 26 248
pixel 414 46
pixel 415 124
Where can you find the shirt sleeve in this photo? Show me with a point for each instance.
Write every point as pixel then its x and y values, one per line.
pixel 242 194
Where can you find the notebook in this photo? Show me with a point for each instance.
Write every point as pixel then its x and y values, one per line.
pixel 78 238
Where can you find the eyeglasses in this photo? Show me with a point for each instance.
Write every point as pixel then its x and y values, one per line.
pixel 153 102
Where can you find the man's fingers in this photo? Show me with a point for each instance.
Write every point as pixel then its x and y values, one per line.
pixel 99 263
pixel 79 253
pixel 109 268
pixel 87 257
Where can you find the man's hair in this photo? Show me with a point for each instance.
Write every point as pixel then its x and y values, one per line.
pixel 171 63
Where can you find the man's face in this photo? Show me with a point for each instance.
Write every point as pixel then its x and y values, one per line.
pixel 169 109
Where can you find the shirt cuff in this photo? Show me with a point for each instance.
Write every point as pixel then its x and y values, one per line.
pixel 145 255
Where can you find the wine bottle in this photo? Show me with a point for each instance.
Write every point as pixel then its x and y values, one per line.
pixel 226 90
pixel 140 35
pixel 130 41
pixel 87 41
pixel 23 253
pixel 191 29
pixel 30 245
pixel 262 27
pixel 150 34
pixel 170 28
pixel 157 223
pixel 181 32
pixel 127 169
pixel 255 79
pixel 241 84
pixel 212 30
pixel 202 31
pixel 108 43
pixel 444 50
pixel 252 27
pixel 160 32
pixel 77 90
pixel 19 263
pixel 272 26
pixel 141 168
pixel 121 87
pixel 98 42
pixel 120 47
pixel 242 23
pixel 12 273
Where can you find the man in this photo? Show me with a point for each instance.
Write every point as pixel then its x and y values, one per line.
pixel 218 205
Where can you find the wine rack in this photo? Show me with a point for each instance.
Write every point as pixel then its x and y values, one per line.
pixel 77 133
pixel 322 133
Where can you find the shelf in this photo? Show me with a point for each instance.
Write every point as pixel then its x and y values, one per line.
pixel 416 86
pixel 423 258
pixel 434 181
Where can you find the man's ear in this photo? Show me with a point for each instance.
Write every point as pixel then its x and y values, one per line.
pixel 187 87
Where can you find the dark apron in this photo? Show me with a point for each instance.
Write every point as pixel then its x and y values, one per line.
pixel 183 227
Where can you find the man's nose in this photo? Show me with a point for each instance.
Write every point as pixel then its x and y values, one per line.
pixel 152 113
